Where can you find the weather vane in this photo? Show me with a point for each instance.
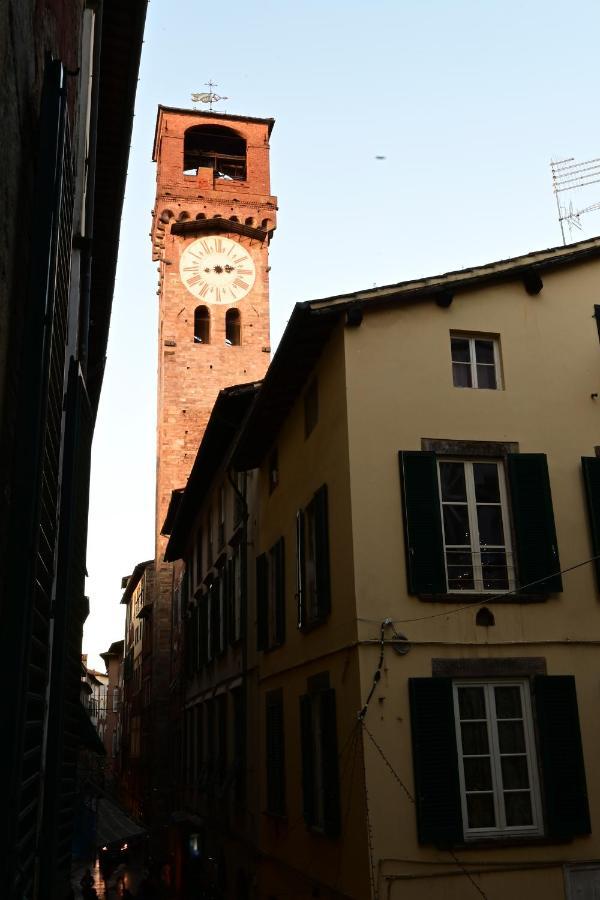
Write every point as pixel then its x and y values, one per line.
pixel 209 97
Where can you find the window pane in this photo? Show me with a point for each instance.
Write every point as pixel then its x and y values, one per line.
pixel 489 520
pixel 478 774
pixel 486 377
pixel 452 476
pixel 474 738
pixel 480 810
pixel 484 351
pixel 518 808
pixel 456 525
pixel 514 772
pixel 471 703
pixel 487 488
pixel 494 570
pixel 511 737
pixel 460 570
pixel 508 702
pixel 460 350
pixel 461 375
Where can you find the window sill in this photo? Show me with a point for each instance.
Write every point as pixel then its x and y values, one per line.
pixel 502 841
pixel 467 597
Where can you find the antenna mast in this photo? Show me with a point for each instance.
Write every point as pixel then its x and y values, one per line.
pixel 568 175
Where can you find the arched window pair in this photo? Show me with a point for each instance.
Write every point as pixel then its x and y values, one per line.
pixel 233 326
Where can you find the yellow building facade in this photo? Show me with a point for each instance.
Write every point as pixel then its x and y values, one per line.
pixel 440 425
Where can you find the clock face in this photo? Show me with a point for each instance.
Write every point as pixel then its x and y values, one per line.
pixel 217 270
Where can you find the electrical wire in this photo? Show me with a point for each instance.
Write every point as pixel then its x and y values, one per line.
pixel 492 599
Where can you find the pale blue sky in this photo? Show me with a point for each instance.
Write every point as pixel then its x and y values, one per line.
pixel 468 101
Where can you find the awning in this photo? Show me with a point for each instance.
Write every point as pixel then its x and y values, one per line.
pixel 114 824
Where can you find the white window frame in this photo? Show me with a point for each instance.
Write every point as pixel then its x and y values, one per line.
pixel 471 338
pixel 501 829
pixel 475 549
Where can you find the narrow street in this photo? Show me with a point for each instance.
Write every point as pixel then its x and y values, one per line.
pixel 126 877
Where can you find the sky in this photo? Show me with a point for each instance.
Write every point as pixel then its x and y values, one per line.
pixel 467 100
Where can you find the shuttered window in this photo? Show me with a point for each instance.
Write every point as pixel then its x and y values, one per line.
pixel 591 476
pixel 534 555
pixel 320 772
pixel 312 560
pixel 476 764
pixel 270 597
pixel 275 753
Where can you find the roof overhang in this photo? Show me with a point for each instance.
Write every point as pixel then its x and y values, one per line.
pixel 198 226
pixel 134 579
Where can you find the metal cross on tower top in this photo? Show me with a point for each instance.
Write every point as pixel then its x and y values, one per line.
pixel 208 97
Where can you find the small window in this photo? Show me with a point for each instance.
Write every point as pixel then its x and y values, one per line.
pixel 312 561
pixel 273 471
pixel 497 761
pixel 233 328
pixel 475 362
pixel 270 597
pixel 201 325
pixel 311 408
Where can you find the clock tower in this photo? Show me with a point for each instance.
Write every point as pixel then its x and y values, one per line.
pixel 212 222
pixel 211 225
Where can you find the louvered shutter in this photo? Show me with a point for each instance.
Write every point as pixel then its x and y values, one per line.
pixel 275 746
pixel 561 753
pixel 329 755
pixel 322 552
pixel 262 601
pixel 223 594
pixel 591 476
pixel 435 761
pixel 308 759
pixel 280 591
pixel 300 569
pixel 425 569
pixel 203 630
pixel 533 522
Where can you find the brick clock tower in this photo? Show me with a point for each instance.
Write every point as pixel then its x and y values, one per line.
pixel 212 223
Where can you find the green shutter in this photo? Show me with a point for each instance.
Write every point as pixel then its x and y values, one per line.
pixel 300 569
pixel 280 591
pixel 533 521
pixel 262 600
pixel 425 569
pixel 322 552
pixel 435 761
pixel 591 477
pixel 329 755
pixel 275 756
pixel 308 759
pixel 561 754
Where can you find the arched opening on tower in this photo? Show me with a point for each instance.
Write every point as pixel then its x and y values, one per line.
pixel 233 328
pixel 201 325
pixel 215 147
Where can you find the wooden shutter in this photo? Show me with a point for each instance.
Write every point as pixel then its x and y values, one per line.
pixel 591 477
pixel 275 756
pixel 223 594
pixel 203 631
pixel 322 552
pixel 533 522
pixel 561 755
pixel 435 761
pixel 308 759
pixel 331 776
pixel 425 569
pixel 280 591
pixel 300 569
pixel 262 601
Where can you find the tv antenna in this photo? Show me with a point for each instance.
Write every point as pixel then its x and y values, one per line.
pixel 208 96
pixel 568 175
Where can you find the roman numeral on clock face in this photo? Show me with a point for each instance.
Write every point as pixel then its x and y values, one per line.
pixel 193 280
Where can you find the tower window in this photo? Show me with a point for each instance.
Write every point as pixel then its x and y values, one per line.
pixel 201 325
pixel 233 328
pixel 215 147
